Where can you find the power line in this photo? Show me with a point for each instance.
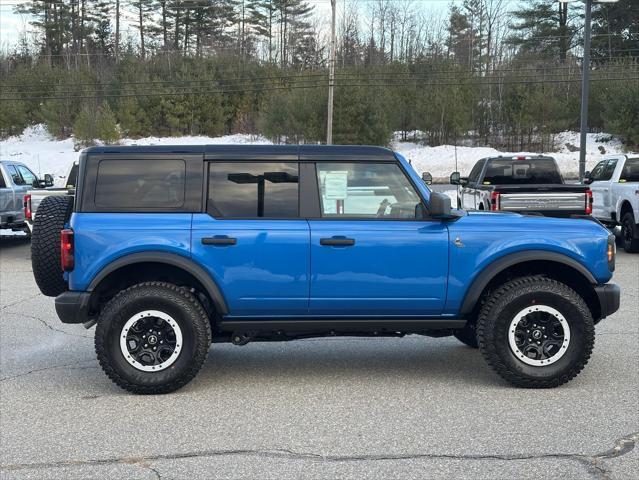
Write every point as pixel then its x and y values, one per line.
pixel 295 87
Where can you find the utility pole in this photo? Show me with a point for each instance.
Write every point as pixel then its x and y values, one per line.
pixel 585 82
pixel 585 90
pixel 331 79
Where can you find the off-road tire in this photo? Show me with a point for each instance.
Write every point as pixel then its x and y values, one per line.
pixel 53 213
pixel 467 335
pixel 500 308
pixel 175 301
pixel 629 233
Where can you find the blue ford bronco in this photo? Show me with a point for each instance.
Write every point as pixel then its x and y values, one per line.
pixel 168 249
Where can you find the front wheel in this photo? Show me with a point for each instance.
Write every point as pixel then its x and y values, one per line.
pixel 629 233
pixel 536 332
pixel 152 338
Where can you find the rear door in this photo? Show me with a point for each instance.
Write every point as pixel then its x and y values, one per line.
pixel 371 253
pixel 251 238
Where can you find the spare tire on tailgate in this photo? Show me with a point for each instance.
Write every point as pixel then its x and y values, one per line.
pixel 51 216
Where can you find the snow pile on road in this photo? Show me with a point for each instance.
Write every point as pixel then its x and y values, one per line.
pixel 441 161
pixel 45 154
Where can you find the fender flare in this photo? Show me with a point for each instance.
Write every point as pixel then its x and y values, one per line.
pixel 493 269
pixel 172 259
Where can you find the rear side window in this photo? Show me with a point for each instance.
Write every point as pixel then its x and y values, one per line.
pixel 2 182
pixel 522 172
pixel 140 184
pixel 253 189
pixel 630 171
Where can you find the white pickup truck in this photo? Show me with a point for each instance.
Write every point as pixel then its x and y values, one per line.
pixel 615 189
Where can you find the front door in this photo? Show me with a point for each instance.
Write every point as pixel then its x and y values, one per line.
pixel 252 241
pixel 371 254
pixel 601 176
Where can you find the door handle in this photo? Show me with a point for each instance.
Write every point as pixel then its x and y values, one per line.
pixel 337 242
pixel 219 241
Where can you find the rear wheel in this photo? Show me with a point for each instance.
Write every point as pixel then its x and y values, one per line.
pixel 629 233
pixel 536 332
pixel 52 214
pixel 152 338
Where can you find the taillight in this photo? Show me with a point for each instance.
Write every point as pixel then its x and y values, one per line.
pixel 67 260
pixel 588 202
pixel 494 201
pixel 27 206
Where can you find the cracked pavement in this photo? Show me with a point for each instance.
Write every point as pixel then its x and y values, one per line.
pixel 324 408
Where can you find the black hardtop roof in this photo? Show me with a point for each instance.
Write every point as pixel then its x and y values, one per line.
pixel 256 152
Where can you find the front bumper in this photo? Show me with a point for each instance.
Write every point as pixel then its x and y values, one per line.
pixel 609 296
pixel 73 307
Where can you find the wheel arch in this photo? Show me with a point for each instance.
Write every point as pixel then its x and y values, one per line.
pixel 551 264
pixel 146 266
pixel 624 208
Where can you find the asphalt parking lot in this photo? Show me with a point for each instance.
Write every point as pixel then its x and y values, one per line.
pixel 343 407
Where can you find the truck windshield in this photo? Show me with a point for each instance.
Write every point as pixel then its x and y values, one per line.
pixel 505 171
pixel 630 171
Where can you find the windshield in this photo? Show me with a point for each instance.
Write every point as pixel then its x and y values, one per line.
pixel 522 172
pixel 630 171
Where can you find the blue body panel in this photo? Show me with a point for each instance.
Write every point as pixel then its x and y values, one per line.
pixel 266 272
pixel 101 238
pixel 394 268
pixel 488 237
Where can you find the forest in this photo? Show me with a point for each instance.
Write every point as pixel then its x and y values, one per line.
pixel 473 72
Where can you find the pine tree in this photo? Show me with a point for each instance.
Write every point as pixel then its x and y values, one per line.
pixel 105 125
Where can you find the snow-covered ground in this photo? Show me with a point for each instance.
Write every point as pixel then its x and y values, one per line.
pixel 44 154
pixel 440 161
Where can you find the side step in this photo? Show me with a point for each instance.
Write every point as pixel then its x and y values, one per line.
pixel 338 325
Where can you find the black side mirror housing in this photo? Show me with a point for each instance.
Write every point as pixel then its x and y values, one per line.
pixel 439 205
pixel 455 178
pixel 587 178
pixel 427 178
pixel 48 180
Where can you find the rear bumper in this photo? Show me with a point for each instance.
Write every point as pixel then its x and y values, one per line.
pixel 73 307
pixel 609 296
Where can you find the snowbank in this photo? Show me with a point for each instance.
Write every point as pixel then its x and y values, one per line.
pixel 44 154
pixel 440 161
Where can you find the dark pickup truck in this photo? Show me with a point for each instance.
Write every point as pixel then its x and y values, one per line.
pixel 523 184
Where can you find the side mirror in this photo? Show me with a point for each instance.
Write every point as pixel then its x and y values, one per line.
pixel 455 178
pixel 587 178
pixel 439 205
pixel 427 178
pixel 48 180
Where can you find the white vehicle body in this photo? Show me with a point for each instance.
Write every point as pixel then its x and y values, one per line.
pixel 615 189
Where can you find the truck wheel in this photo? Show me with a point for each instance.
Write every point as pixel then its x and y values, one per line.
pixel 53 213
pixel 152 338
pixel 629 233
pixel 536 332
pixel 467 335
